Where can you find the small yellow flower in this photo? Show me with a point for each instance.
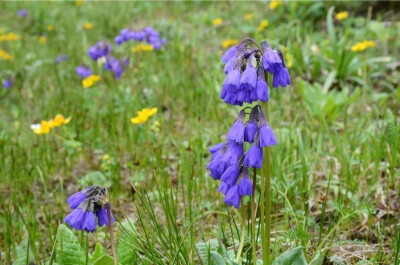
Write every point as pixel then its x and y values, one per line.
pixel 87 25
pixel 229 42
pixel 60 120
pixel 142 47
pixel 264 23
pixel 274 4
pixel 50 27
pixel 42 39
pixel 217 21
pixel 342 15
pixel 79 2
pixel 249 16
pixel 9 37
pixel 90 81
pixel 5 55
pixel 42 128
pixel 361 46
pixel 105 157
pixel 143 115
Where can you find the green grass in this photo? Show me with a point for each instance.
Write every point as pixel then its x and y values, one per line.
pixel 335 172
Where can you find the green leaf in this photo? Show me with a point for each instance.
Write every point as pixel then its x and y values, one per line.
pixel 331 28
pixel 291 257
pixel 22 252
pixel 318 259
pixel 204 249
pixel 217 259
pixel 69 251
pixel 125 252
pixel 98 252
pixel 95 178
pixel 104 260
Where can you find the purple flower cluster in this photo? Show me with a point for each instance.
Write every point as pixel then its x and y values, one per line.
pixel 114 65
pixel 87 205
pixel 99 50
pixel 245 69
pixel 83 71
pixel 7 83
pixel 148 34
pixel 61 58
pixel 230 164
pixel 22 13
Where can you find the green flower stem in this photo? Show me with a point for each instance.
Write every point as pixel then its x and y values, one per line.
pixel 253 217
pixel 111 234
pixel 266 200
pixel 243 235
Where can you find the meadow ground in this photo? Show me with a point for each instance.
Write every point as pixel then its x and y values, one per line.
pixel 335 171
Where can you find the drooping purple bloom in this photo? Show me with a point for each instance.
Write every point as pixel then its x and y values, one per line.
pixel 102 217
pixel 267 137
pixel 262 86
pixel 99 50
pixel 231 84
pixel 232 197
pixel 113 65
pixel 248 80
pixel 223 187
pixel 159 43
pixel 22 13
pixel 230 175
pixel 226 156
pixel 83 71
pixel 86 205
pixel 119 40
pixel 270 59
pixel 254 157
pixel 245 187
pixel 281 77
pixel 236 133
pixel 76 199
pixel 81 220
pixel 250 131
pixel 7 83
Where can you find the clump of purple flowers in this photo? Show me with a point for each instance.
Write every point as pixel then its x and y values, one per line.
pixel 88 205
pixel 83 71
pixel 230 164
pixel 61 58
pixel 245 68
pixel 115 66
pixel 22 13
pixel 101 49
pixel 148 34
pixel 7 83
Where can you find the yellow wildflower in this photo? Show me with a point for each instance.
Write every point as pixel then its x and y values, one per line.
pixel 217 21
pixel 9 37
pixel 274 4
pixel 264 23
pixel 59 120
pixel 142 47
pixel 105 157
pixel 229 42
pixel 87 25
pixel 143 115
pixel 361 46
pixel 50 27
pixel 42 128
pixel 90 80
pixel 79 2
pixel 249 16
pixel 342 15
pixel 42 39
pixel 5 55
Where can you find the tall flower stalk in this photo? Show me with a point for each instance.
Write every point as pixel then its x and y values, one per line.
pixel 246 68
